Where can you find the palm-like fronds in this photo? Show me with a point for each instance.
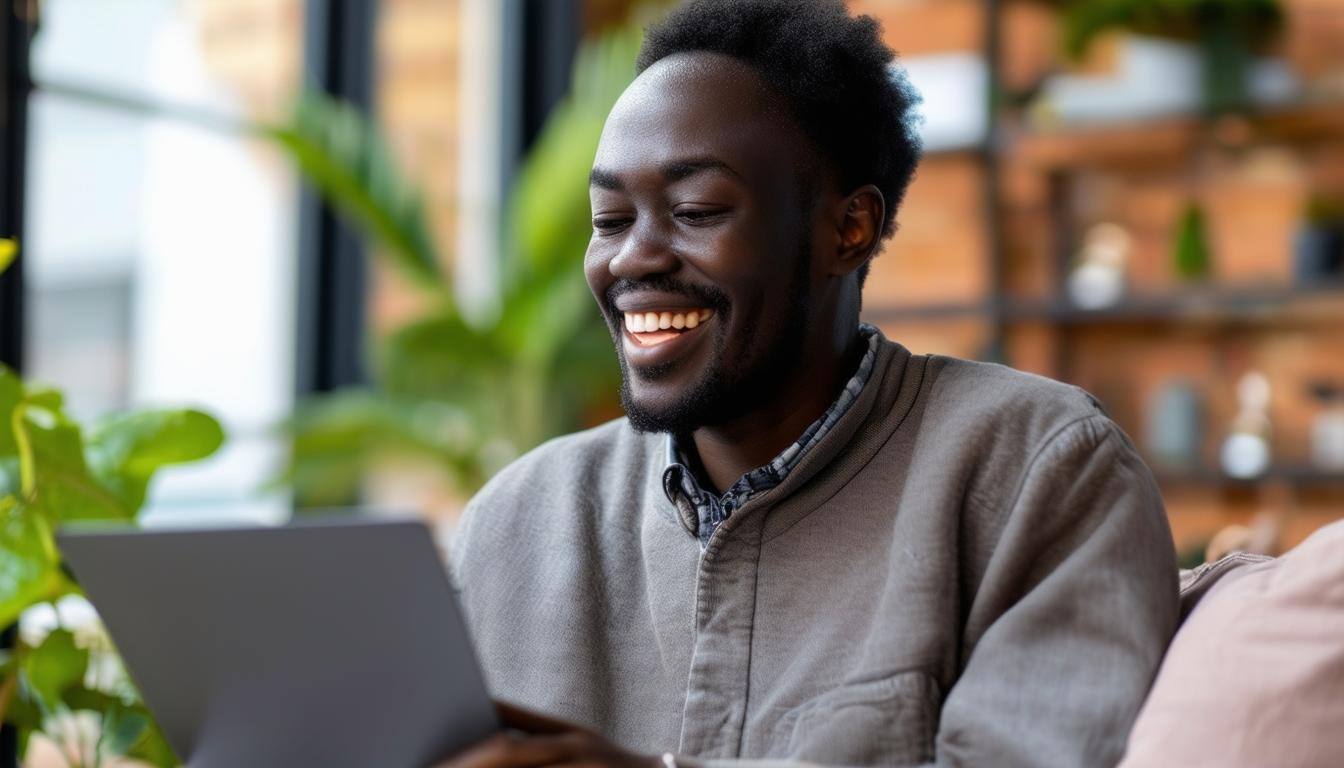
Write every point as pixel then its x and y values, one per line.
pixel 341 155
pixel 532 371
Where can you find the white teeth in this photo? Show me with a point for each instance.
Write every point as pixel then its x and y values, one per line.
pixel 648 322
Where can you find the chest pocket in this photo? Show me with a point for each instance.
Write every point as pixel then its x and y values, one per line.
pixel 891 721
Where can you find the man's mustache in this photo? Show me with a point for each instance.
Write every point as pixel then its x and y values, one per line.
pixel 702 295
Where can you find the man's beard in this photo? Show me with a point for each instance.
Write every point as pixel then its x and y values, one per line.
pixel 720 394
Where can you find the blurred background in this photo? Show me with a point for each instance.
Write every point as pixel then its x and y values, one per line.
pixel 378 290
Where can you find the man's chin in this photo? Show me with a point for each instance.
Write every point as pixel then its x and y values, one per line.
pixel 648 414
pixel 668 407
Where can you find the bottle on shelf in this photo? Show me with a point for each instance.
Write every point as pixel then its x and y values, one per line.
pixel 1246 450
pixel 1176 426
pixel 1098 281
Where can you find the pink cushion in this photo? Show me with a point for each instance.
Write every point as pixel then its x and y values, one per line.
pixel 1255 676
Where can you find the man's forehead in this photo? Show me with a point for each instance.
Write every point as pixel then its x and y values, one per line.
pixel 692 105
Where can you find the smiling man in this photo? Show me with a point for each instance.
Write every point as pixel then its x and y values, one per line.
pixel 804 544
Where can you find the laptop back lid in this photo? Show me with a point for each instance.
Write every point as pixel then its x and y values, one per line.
pixel 333 644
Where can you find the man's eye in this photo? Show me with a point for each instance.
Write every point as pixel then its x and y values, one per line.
pixel 699 215
pixel 608 224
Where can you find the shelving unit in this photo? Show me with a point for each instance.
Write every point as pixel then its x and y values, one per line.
pixel 1171 139
pixel 989 234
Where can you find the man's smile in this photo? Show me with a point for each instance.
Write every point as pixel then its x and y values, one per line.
pixel 657 337
pixel 651 328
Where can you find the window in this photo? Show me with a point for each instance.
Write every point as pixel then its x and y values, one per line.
pixel 160 237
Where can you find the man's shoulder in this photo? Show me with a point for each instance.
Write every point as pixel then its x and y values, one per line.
pixel 555 497
pixel 579 454
pixel 989 395
pixel 582 468
pixel 1000 419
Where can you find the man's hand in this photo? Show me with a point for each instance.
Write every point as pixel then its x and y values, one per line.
pixel 530 740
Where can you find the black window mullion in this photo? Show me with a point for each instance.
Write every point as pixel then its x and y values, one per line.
pixel 338 60
pixel 15 86
pixel 540 40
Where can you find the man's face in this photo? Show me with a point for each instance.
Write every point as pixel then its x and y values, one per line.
pixel 701 242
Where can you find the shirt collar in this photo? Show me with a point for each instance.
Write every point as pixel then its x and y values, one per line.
pixel 682 488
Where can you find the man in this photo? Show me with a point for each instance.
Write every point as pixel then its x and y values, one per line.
pixel 804 544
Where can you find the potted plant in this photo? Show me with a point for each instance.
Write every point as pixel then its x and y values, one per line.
pixel 1228 33
pixel 64 683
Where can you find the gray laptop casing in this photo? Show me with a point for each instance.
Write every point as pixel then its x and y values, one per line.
pixel 329 644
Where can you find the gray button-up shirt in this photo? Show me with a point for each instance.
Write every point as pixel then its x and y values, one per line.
pixel 971 568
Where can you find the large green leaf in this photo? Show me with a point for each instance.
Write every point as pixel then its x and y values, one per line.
pixel 341 154
pixel 335 437
pixel 544 314
pixel 28 572
pixel 126 450
pixel 128 728
pixel 11 394
pixel 55 478
pixel 54 666
pixel 442 356
pixel 152 747
pixel 17 705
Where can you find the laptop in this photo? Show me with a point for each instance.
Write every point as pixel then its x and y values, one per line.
pixel 334 643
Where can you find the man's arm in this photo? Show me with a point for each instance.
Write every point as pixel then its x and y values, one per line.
pixel 1073 615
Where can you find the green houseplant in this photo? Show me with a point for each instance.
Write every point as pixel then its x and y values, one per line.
pixel 467 395
pixel 55 471
pixel 1226 31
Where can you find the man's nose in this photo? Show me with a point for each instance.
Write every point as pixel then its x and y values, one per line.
pixel 646 251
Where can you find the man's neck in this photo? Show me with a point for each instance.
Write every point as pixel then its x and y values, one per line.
pixel 729 450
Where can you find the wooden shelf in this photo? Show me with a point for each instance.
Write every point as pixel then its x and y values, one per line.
pixel 1194 305
pixel 1296 476
pixel 1197 305
pixel 1161 141
pixel 924 312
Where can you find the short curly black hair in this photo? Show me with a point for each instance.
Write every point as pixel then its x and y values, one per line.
pixel 833 70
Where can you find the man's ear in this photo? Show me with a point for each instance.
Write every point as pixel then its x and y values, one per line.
pixel 859 226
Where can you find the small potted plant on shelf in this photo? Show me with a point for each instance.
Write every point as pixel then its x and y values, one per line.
pixel 1228 34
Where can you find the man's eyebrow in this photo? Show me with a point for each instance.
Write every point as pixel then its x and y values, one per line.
pixel 673 171
pixel 605 180
pixel 681 169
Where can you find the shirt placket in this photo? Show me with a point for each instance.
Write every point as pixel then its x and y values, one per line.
pixel 725 608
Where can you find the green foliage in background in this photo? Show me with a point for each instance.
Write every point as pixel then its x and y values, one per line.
pixel 53 471
pixel 1227 32
pixel 467 394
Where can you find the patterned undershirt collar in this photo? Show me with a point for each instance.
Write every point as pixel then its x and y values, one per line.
pixel 679 481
